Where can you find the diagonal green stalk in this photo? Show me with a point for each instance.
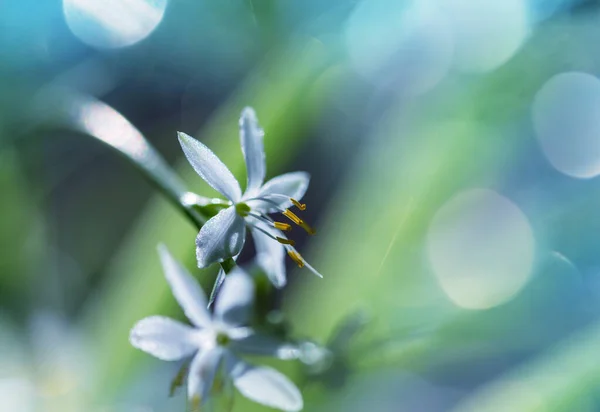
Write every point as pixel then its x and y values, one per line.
pixel 92 117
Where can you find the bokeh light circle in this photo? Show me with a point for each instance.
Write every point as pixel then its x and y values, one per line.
pixel 566 118
pixel 487 33
pixel 113 23
pixel 481 249
pixel 405 46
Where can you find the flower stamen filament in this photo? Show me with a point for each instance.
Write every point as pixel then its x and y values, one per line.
pixel 277 225
pixel 282 240
pixel 264 218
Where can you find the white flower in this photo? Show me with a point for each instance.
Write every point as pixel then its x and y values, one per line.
pixel 223 236
pixel 216 340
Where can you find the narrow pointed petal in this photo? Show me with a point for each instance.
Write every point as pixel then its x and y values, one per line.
pixel 312 269
pixel 266 386
pixel 220 238
pixel 234 303
pixel 203 371
pixel 289 185
pixel 185 288
pixel 210 168
pixel 270 256
pixel 163 337
pixel 257 344
pixel 251 139
pixel 217 287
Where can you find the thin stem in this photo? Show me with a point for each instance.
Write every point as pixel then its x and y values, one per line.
pixel 94 118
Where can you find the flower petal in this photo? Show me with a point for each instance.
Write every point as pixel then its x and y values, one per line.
pixel 251 139
pixel 266 386
pixel 234 303
pixel 185 288
pixel 270 255
pixel 288 185
pixel 257 344
pixel 220 238
pixel 210 168
pixel 203 371
pixel 163 337
pixel 217 287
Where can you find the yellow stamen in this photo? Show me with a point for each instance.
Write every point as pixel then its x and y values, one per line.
pixel 285 241
pixel 290 215
pixel 296 258
pixel 301 206
pixel 308 229
pixel 282 226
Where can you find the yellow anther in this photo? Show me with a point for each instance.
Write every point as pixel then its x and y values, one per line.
pixel 282 226
pixel 290 215
pixel 308 229
pixel 296 258
pixel 285 241
pixel 301 206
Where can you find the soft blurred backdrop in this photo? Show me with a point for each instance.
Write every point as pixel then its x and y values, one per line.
pixel 453 146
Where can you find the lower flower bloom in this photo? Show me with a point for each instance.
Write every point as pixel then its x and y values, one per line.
pixel 217 340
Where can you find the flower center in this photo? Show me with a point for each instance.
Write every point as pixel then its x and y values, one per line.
pixel 222 339
pixel 242 209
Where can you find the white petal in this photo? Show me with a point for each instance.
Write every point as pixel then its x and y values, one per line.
pixel 257 344
pixel 234 303
pixel 251 139
pixel 210 167
pixel 185 288
pixel 267 386
pixel 287 185
pixel 220 238
pixel 163 337
pixel 202 373
pixel 270 255
pixel 217 287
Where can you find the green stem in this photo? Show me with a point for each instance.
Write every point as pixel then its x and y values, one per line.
pixel 92 117
pixel 227 265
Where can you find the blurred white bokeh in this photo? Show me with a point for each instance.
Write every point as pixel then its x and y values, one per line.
pixel 566 117
pixel 404 46
pixel 487 33
pixel 481 249
pixel 113 23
